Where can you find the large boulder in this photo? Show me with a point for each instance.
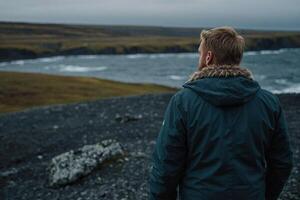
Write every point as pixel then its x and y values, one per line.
pixel 68 167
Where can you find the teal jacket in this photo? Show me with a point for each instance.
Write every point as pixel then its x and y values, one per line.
pixel 221 138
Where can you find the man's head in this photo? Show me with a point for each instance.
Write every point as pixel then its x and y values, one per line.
pixel 220 46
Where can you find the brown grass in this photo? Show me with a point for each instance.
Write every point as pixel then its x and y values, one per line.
pixel 19 91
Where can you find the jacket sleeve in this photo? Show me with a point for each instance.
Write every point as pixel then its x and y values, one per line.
pixel 279 158
pixel 168 157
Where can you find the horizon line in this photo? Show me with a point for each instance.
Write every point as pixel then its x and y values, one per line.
pixel 140 25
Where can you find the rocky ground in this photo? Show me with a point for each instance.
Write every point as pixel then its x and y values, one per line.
pixel 30 139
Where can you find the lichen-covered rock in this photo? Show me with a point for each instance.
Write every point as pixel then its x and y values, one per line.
pixel 68 167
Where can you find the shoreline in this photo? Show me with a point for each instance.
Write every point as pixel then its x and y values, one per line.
pixel 136 53
pixel 20 91
pixel 112 53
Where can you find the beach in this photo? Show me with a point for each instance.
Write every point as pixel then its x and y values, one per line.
pixel 29 139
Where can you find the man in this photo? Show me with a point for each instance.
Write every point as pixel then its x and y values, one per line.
pixel 223 136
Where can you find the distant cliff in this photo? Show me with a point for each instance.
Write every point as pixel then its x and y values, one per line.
pixel 23 40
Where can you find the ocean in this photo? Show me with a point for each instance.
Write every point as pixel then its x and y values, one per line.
pixel 275 70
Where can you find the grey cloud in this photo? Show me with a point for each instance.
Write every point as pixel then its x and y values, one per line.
pixel 267 14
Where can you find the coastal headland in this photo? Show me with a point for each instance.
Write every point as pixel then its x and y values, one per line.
pixel 32 40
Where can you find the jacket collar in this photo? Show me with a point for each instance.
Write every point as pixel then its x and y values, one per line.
pixel 223 85
pixel 221 71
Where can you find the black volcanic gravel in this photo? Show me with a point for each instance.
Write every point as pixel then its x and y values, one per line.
pixel 29 139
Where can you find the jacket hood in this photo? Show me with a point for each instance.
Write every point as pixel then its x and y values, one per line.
pixel 223 86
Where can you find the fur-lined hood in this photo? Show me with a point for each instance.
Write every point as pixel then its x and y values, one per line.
pixel 223 85
pixel 221 71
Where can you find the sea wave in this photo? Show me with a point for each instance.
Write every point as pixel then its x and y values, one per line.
pixel 250 53
pixel 48 59
pixel 87 56
pixel 281 81
pixel 2 64
pixel 17 62
pixel 135 56
pixel 76 68
pixel 259 77
pixel 294 88
pixel 175 77
pixel 162 55
pixel 265 52
pixel 31 61
pixel 187 55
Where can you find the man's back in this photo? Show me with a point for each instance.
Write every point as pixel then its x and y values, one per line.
pixel 222 138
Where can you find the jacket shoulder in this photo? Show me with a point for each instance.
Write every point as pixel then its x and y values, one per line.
pixel 185 97
pixel 185 93
pixel 187 100
pixel 268 95
pixel 269 99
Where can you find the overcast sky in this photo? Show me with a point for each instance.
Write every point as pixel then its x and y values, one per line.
pixel 261 14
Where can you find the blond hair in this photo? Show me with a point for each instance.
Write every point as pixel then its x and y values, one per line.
pixel 227 45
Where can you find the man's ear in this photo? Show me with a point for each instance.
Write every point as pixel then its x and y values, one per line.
pixel 209 57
